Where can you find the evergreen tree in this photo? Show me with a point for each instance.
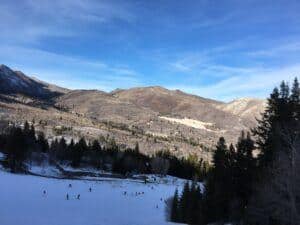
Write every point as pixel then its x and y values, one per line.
pixel 278 134
pixel 174 208
pixel 17 150
pixel 26 128
pixel 71 145
pixel 244 171
pixel 194 205
pixel 184 203
pixel 218 192
pixel 265 131
pixel 136 148
pixel 32 132
pixel 42 142
pixel 78 152
pixel 96 155
pixel 62 144
pixel 96 146
pixel 220 157
pixel 295 99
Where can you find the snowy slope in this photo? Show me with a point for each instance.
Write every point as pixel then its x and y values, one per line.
pixel 23 201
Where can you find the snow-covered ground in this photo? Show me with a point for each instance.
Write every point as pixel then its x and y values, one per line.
pixel 23 202
pixel 192 123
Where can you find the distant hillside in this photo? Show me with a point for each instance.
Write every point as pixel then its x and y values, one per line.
pixel 155 117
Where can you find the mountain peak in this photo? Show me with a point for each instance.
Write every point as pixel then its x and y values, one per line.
pixel 16 82
pixel 245 107
pixel 5 69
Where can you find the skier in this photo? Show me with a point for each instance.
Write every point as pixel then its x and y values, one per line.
pixel 44 192
pixel 90 189
pixel 67 197
pixel 78 197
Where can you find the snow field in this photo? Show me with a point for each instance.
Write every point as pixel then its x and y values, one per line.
pixel 24 203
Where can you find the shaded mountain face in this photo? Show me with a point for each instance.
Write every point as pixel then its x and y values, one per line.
pixel 157 118
pixel 15 82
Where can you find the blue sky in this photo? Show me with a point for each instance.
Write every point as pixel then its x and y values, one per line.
pixel 217 49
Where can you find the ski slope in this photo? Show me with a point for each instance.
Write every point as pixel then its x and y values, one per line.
pixel 24 203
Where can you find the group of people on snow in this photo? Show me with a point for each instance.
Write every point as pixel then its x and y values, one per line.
pixel 67 195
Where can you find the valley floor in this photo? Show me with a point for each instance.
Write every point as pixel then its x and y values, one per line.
pixel 23 201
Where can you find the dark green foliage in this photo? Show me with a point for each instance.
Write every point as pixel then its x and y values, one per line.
pixel 175 207
pixel 184 203
pixel 16 147
pixel 131 161
pixel 95 155
pixel 218 187
pixel 43 143
pixel 242 189
pixel 227 189
pixel 278 135
pixel 20 144
pixel 295 99
pixel 244 171
pixel 187 207
pixel 137 148
pixel 78 151
pixel 190 168
pixel 281 112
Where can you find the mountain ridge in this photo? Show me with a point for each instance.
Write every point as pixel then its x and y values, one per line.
pixel 156 117
pixel 16 82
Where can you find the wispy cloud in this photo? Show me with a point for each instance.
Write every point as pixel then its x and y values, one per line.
pixel 189 62
pixel 283 49
pixel 211 22
pixel 207 62
pixel 214 74
pixel 255 83
pixel 34 19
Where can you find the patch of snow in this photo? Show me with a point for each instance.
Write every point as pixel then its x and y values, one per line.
pixel 45 171
pixel 156 134
pixel 85 169
pixel 190 122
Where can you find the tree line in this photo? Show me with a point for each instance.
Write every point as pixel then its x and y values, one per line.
pixel 257 181
pixel 23 146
